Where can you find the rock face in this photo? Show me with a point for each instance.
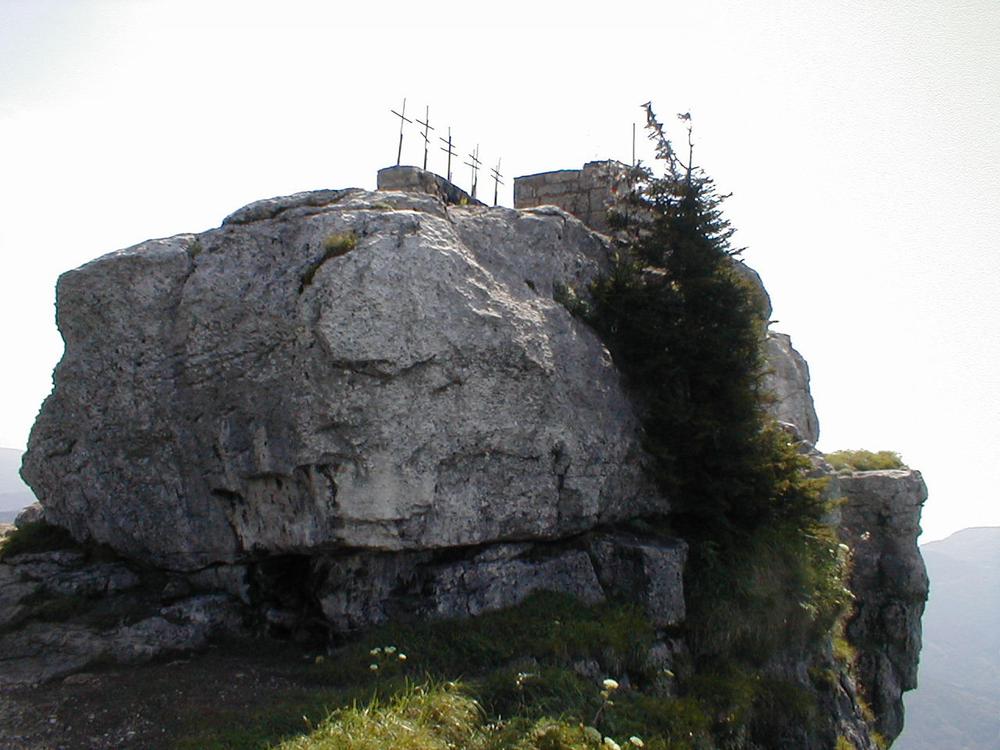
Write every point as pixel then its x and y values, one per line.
pixel 360 590
pixel 343 407
pixel 788 379
pixel 333 371
pixel 61 612
pixel 880 523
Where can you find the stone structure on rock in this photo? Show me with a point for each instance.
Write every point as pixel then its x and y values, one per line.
pixel 344 406
pixel 586 193
pixel 416 180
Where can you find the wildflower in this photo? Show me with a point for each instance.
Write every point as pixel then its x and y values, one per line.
pixel 610 744
pixel 390 650
pixel 523 677
pixel 373 667
pixel 319 660
pixel 375 652
pixel 402 657
pixel 610 685
pixel 635 741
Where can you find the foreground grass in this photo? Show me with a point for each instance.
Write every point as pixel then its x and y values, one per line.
pixel 531 677
pixel 509 679
pixel 442 717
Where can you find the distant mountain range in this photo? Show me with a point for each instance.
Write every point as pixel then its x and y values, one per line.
pixel 957 703
pixel 14 493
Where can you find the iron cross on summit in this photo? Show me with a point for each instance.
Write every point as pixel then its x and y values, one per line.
pixel 402 120
pixel 426 122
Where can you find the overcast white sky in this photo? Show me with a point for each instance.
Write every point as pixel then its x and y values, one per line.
pixel 859 141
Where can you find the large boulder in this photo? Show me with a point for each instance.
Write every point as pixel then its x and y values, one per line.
pixel 333 371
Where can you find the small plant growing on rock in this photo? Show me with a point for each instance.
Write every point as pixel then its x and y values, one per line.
pixel 862 460
pixel 339 243
pixel 335 245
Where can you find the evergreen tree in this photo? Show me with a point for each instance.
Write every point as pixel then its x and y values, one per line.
pixel 687 330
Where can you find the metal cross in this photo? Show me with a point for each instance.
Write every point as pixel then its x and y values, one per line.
pixel 495 174
pixel 402 119
pixel 475 164
pixel 426 122
pixel 449 151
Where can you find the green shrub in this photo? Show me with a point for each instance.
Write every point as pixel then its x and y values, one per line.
pixel 862 460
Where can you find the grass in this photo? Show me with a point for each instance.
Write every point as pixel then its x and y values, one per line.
pixel 863 460
pixel 509 680
pixel 335 245
pixel 416 718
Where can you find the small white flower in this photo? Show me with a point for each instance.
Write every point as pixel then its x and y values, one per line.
pixel 375 652
pixel 611 744
pixel 402 657
pixel 610 684
pixel 390 649
pixel 636 741
pixel 373 667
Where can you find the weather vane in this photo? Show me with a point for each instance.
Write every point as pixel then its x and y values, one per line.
pixel 402 119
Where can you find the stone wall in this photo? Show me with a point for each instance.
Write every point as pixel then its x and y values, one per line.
pixel 417 180
pixel 586 193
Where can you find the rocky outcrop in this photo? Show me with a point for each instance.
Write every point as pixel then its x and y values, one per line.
pixel 64 611
pixel 333 371
pixel 362 590
pixel 880 522
pixel 787 378
pixel 341 408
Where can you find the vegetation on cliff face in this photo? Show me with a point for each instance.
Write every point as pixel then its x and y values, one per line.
pixel 550 674
pixel 864 460
pixel 765 574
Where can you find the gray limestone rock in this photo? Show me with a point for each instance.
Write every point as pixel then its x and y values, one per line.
pixel 30 582
pixel 31 514
pixel 361 590
pixel 43 651
pixel 880 518
pixel 650 573
pixel 501 578
pixel 787 378
pixel 268 387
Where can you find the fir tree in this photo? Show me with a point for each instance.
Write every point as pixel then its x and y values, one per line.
pixel 686 329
